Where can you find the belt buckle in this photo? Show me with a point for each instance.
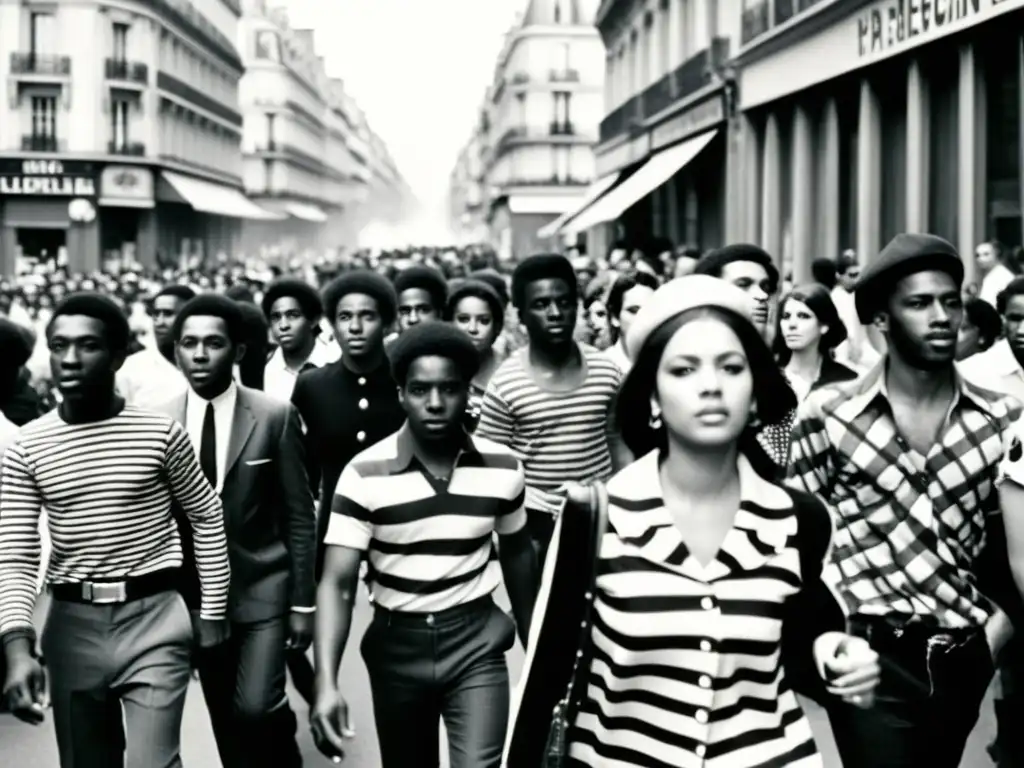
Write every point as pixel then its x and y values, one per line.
pixel 105 593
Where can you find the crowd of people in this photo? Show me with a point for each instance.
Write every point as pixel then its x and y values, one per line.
pixel 705 490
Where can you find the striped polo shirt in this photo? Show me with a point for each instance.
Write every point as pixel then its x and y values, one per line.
pixel 560 437
pixel 429 541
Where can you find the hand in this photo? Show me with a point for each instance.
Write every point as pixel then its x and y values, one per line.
pixel 300 631
pixel 209 634
pixel 330 723
pixel 25 689
pixel 849 667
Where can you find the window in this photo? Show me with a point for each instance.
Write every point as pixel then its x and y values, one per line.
pixel 42 33
pixel 561 123
pixel 271 125
pixel 44 123
pixel 561 163
pixel 120 111
pixel 120 50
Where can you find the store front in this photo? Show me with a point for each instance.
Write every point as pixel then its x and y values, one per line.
pixel 911 122
pixel 47 214
pixel 127 217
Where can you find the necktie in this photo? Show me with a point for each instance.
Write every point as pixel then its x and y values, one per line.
pixel 208 447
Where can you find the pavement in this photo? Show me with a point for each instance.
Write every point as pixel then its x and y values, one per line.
pixel 24 746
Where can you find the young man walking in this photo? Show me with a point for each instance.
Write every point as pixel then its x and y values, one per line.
pixel 250 449
pixel 424 504
pixel 118 635
pixel 906 457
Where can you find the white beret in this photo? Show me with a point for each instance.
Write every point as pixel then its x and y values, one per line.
pixel 681 295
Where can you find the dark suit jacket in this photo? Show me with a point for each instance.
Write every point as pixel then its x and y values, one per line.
pixel 268 509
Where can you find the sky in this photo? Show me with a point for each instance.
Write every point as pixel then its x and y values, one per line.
pixel 417 68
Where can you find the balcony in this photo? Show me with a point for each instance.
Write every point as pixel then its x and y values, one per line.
pixel 562 129
pixel 691 76
pixel 36 143
pixel 127 71
pixel 43 64
pixel 128 148
pixel 566 75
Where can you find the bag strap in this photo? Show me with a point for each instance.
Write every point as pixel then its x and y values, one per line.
pixel 598 509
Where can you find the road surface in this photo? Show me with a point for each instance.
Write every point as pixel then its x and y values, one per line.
pixel 22 746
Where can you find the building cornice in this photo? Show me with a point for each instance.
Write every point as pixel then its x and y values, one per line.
pixel 804 24
pixel 188 20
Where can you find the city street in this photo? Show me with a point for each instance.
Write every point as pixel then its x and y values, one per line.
pixel 25 747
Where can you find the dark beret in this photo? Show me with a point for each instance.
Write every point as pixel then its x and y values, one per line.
pixel 366 282
pixel 212 305
pixel 481 290
pixel 713 262
pixel 432 339
pixel 300 290
pixel 424 278
pixel 494 279
pixel 98 307
pixel 906 254
pixel 542 266
pixel 15 345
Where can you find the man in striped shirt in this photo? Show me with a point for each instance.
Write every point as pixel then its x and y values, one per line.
pixel 551 402
pixel 424 503
pixel 118 633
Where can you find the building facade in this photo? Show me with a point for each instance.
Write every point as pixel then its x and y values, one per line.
pixel 861 120
pixel 661 158
pixel 120 132
pixel 531 156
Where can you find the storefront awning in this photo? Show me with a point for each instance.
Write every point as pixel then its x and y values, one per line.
pixel 525 204
pixel 651 175
pixel 592 193
pixel 220 200
pixel 306 212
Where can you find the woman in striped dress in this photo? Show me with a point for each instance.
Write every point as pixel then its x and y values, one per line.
pixel 708 608
pixel 476 308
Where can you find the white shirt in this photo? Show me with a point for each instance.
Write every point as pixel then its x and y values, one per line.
pixel 223 416
pixel 996 368
pixel 994 282
pixel 9 431
pixel 148 379
pixel 618 355
pixel 279 380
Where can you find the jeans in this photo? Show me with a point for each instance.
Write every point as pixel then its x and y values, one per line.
pixel 447 666
pixel 928 700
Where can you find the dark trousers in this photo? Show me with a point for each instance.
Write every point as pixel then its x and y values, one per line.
pixel 541 526
pixel 928 700
pixel 244 685
pixel 447 666
pixel 1009 743
pixel 118 677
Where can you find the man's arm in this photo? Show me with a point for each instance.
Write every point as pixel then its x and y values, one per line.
pixel 20 552
pixel 300 522
pixel 300 399
pixel 518 558
pixel 205 513
pixel 497 422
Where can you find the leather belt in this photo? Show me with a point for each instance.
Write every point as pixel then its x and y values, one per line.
pixel 110 592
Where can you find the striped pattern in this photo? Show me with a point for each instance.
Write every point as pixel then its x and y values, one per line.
pixel 686 669
pixel 560 437
pixel 429 541
pixel 107 488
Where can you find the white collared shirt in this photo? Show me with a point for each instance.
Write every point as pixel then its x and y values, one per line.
pixel 996 369
pixel 148 379
pixel 279 380
pixel 223 415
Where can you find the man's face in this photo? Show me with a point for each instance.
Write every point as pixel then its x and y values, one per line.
pixel 289 326
pixel 165 309
pixel 81 361
pixel 415 306
pixel 1013 324
pixel 549 312
pixel 923 317
pixel 434 398
pixel 206 355
pixel 358 326
pixel 850 277
pixel 754 280
pixel 985 256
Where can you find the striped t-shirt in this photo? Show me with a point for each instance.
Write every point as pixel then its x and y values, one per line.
pixel 560 437
pixel 107 487
pixel 429 541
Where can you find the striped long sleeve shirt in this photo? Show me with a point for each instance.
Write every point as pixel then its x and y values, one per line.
pixel 108 487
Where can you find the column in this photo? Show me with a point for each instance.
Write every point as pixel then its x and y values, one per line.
pixel 653 51
pixel 146 243
pixel 771 190
pixel 802 208
pixel 750 178
pixel 918 148
pixel 8 250
pixel 970 179
pixel 869 175
pixel 738 176
pixel 827 213
pixel 83 244
pixel 675 35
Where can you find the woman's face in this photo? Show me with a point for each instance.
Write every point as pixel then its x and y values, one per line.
pixel 632 300
pixel 968 339
pixel 473 315
pixel 704 386
pixel 800 327
pixel 597 317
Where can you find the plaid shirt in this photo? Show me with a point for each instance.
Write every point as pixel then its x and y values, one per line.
pixel 906 539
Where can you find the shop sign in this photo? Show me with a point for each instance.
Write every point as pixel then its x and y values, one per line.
pixel 126 184
pixel 50 178
pixel 695 120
